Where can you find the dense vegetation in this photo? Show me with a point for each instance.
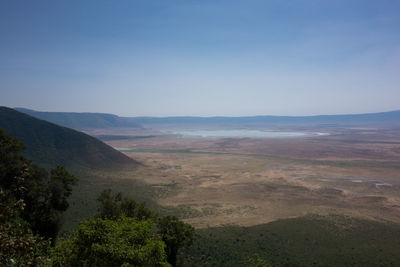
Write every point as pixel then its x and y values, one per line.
pixel 52 145
pixel 101 242
pixel 173 232
pixel 19 246
pixel 31 207
pixel 124 232
pixel 312 240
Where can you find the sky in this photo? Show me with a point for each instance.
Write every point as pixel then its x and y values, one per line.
pixel 201 58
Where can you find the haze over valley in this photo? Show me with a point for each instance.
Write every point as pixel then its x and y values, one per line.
pixel 199 133
pixel 247 171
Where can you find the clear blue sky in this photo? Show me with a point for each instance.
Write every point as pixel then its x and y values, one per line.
pixel 205 57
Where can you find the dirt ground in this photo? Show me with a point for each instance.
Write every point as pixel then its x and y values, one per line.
pixel 249 181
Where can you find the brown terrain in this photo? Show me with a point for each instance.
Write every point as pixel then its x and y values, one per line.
pixel 248 181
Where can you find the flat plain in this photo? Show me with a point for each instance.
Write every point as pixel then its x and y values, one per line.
pixel 243 181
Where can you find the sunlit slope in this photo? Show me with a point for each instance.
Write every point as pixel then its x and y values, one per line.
pixel 50 144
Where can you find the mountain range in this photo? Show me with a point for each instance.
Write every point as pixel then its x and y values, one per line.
pixel 82 121
pixel 51 145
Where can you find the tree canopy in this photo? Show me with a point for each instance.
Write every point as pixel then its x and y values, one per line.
pixel 18 246
pixel 103 242
pixel 31 205
pixel 113 206
pixel 175 233
pixel 45 196
pixel 32 202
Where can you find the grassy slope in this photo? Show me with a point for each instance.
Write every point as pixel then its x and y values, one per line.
pixel 52 145
pixel 306 241
pixel 83 202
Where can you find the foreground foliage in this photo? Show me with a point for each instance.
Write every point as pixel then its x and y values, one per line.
pixel 32 202
pixel 18 246
pixel 31 205
pixel 44 196
pixel 174 233
pixel 102 242
pixel 124 233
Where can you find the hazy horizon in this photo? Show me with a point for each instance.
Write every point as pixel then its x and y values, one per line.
pixel 208 58
pixel 100 112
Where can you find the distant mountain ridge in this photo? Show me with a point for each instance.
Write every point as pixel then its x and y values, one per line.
pixel 391 117
pixel 81 121
pixel 101 120
pixel 52 145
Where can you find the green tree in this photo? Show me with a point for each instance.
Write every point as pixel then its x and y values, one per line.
pixel 12 164
pixel 45 197
pixel 176 235
pixel 103 242
pixel 113 206
pixel 18 246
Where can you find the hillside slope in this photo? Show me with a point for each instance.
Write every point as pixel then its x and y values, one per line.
pixel 80 121
pixel 52 145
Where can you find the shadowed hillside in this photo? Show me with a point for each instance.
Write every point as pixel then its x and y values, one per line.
pixel 81 121
pixel 52 145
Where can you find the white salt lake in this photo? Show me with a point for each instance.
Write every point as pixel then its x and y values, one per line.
pixel 243 133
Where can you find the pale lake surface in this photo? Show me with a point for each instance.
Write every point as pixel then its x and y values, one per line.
pixel 243 133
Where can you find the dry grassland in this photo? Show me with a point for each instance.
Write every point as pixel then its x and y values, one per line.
pixel 246 181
